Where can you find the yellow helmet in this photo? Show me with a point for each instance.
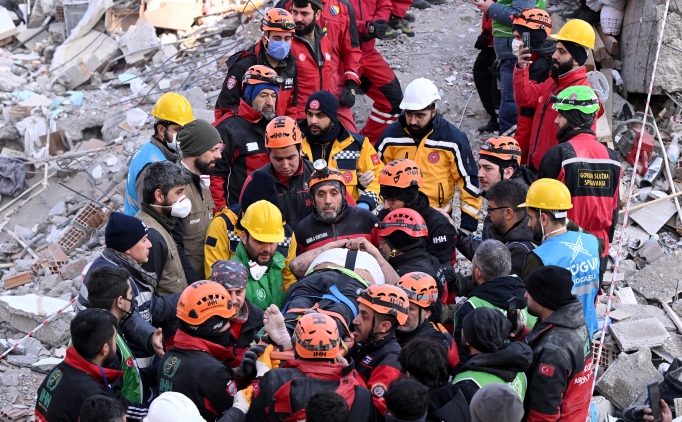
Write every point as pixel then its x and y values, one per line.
pixel 548 194
pixel 263 221
pixel 577 31
pixel 173 108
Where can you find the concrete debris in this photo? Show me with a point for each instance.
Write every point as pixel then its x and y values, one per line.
pixel 25 313
pixel 627 377
pixel 671 349
pixel 137 42
pixel 660 282
pixel 633 334
pixel 639 312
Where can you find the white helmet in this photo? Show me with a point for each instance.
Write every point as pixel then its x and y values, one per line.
pixel 419 94
pixel 173 407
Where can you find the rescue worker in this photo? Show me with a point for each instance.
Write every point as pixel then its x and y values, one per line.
pixel 381 310
pixel 560 377
pixel 247 320
pixel 502 12
pixel 424 136
pixel 163 198
pixel 422 293
pixel 84 372
pixel 352 154
pixel 399 19
pixel 257 250
pixel 485 81
pixel 172 111
pixel 201 147
pixel 590 170
pixel 500 159
pixel 400 182
pixel 567 70
pixel 495 288
pixel 313 52
pixel 283 392
pixel 548 201
pixel 225 231
pixel 103 408
pixel 493 359
pixel 242 130
pixel 271 51
pixel 427 362
pixel 332 218
pixel 538 24
pixel 195 365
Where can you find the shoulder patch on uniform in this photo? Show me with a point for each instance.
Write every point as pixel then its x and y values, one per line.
pixel 232 388
pixel 375 159
pixel 334 10
pixel 379 390
pixel 547 370
pixel 231 82
pixel 434 157
pixel 211 241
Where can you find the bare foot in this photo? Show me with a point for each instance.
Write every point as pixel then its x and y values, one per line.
pixel 273 320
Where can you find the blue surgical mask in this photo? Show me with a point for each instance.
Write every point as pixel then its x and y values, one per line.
pixel 278 50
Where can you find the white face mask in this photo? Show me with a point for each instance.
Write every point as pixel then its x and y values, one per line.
pixel 205 181
pixel 180 208
pixel 257 271
pixel 517 45
pixel 173 145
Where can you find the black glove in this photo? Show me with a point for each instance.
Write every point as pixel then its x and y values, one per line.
pixel 481 43
pixel 381 30
pixel 348 95
pixel 248 367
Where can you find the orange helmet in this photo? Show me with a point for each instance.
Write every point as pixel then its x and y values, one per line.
pixel 386 299
pixel 534 19
pixel 278 20
pixel 316 337
pixel 282 132
pixel 202 300
pixel 401 173
pixel 505 148
pixel 421 288
pixel 324 173
pixel 403 219
pixel 259 74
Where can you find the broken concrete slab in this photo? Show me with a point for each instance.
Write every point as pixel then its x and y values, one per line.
pixel 46 364
pixel 653 217
pixel 603 407
pixel 650 253
pixel 671 349
pixel 631 335
pixel 659 282
pixel 639 312
pixel 85 56
pixel 7 27
pixel 173 15
pixel 138 41
pixel 627 377
pixel 10 82
pixel 626 296
pixel 25 313
pixel 31 32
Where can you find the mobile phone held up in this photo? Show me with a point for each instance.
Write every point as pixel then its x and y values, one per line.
pixel 526 41
pixel 511 313
pixel 655 401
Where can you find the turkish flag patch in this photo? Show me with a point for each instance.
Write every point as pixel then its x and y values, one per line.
pixel 547 370
pixel 375 159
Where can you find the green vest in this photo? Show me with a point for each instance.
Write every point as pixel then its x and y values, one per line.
pixel 270 288
pixel 502 30
pixel 527 319
pixel 519 384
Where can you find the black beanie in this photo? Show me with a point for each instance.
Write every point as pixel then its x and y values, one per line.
pixel 550 286
pixel 486 329
pixel 325 102
pixel 399 240
pixel 123 231
pixel 262 186
pixel 408 195
pixel 537 36
pixel 577 51
pixel 197 137
pixel 577 118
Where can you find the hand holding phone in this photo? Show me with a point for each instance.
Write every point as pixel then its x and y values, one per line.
pixel 526 40
pixel 511 313
pixel 655 401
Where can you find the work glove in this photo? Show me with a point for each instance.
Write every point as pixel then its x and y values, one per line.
pixel 481 43
pixel 248 367
pixel 264 362
pixel 348 95
pixel 381 30
pixel 365 178
pixel 242 400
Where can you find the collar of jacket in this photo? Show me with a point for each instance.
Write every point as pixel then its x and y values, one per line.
pixel 575 132
pixel 319 370
pixel 170 155
pixel 373 345
pixel 185 341
pixel 277 261
pixel 506 363
pixel 421 205
pixel 77 361
pixel 422 330
pixel 261 52
pixel 568 316
pixel 432 127
pixel 518 225
pixel 569 78
pixel 416 252
pixel 167 222
pixel 246 112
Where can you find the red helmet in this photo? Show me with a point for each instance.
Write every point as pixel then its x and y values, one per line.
pixel 403 219
pixel 420 287
pixel 316 337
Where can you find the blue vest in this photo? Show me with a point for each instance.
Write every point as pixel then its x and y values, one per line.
pixel 148 153
pixel 578 253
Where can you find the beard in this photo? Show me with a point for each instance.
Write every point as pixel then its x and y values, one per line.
pixel 109 357
pixel 320 132
pixel 537 231
pixel 303 30
pixel 408 328
pixel 497 225
pixel 329 217
pixel 204 167
pixel 559 68
pixel 562 131
pixel 267 111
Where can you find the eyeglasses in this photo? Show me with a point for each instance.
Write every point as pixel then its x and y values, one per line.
pixel 389 201
pixel 497 208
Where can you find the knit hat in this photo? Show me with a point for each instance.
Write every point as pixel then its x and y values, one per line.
pixel 252 91
pixel 577 118
pixel 325 102
pixel 550 286
pixel 408 195
pixel 197 137
pixel 231 274
pixel 496 402
pixel 486 329
pixel 401 241
pixel 577 51
pixel 123 231
pixel 262 186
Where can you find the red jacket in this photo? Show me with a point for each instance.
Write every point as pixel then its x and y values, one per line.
pixel 367 11
pixel 537 95
pixel 487 28
pixel 316 76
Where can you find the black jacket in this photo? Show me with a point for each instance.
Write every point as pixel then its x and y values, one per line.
pixel 447 403
pixel 560 378
pixel 506 363
pixel 353 222
pixel 294 199
pixel 247 332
